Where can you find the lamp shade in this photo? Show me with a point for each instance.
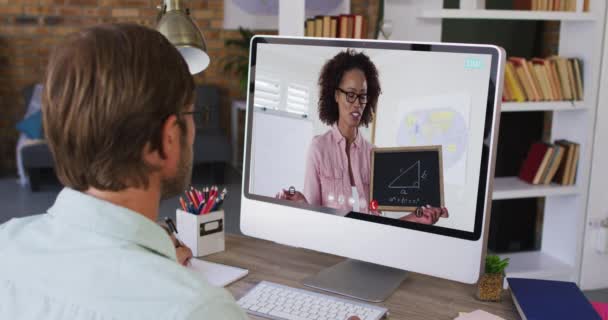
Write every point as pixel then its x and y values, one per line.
pixel 177 26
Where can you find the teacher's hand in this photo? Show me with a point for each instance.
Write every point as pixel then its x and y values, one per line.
pixel 430 215
pixel 295 196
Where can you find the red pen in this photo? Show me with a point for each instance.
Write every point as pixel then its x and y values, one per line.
pixel 181 201
pixel 199 196
pixel 189 196
pixel 209 204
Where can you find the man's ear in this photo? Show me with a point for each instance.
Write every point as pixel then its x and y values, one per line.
pixel 169 144
pixel 170 134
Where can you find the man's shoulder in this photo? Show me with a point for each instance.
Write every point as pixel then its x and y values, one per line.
pixel 15 226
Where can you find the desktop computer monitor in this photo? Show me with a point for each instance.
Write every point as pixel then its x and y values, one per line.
pixel 379 151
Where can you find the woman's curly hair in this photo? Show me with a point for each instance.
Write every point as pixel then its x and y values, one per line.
pixel 331 76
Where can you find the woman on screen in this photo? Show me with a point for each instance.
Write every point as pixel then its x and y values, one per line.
pixel 338 162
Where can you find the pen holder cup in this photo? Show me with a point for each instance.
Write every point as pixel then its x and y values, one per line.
pixel 203 234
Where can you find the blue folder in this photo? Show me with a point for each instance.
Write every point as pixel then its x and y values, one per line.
pixel 545 299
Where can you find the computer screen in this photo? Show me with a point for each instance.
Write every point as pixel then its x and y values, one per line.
pixel 387 133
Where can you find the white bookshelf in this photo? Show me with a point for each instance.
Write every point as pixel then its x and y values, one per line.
pixel 507 15
pixel 514 188
pixel 581 35
pixel 543 106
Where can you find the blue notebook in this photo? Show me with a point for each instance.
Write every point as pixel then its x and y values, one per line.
pixel 545 299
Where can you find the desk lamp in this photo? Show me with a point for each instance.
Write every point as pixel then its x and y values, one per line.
pixel 175 23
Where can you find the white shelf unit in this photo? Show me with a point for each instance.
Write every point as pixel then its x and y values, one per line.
pixel 506 15
pixel 581 35
pixel 565 207
pixel 292 15
pixel 514 188
pixel 543 106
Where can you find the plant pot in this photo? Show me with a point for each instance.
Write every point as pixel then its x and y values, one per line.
pixel 489 287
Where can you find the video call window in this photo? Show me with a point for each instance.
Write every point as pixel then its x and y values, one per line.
pixel 323 116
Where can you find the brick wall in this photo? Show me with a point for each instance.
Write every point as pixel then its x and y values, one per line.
pixel 30 28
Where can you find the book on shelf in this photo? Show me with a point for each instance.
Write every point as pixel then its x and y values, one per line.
pixel 326 30
pixel 548 5
pixel 342 26
pixel 551 79
pixel 515 87
pixel 309 31
pixel 318 26
pixel 533 162
pixel 546 163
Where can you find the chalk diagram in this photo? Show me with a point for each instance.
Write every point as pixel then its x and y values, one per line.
pixel 409 178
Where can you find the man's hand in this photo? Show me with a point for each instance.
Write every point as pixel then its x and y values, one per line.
pixel 183 253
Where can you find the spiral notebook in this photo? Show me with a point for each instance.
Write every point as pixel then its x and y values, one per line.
pixel 218 275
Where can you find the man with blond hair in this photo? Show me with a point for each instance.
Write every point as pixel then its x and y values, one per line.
pixel 118 117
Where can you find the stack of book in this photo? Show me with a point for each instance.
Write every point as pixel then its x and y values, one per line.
pixel 551 79
pixel 548 163
pixel 548 5
pixel 343 26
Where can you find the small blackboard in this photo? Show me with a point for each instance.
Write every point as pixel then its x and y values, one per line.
pixel 406 178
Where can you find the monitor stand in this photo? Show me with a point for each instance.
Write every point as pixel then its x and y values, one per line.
pixel 358 279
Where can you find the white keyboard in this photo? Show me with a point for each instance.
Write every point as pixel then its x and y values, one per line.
pixel 275 301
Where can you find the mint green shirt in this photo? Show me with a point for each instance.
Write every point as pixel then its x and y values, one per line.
pixel 89 259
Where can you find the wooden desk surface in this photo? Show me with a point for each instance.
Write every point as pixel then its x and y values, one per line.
pixel 419 297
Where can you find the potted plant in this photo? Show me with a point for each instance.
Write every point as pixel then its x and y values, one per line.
pixel 239 62
pixel 489 287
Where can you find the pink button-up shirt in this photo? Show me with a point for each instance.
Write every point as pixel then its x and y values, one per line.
pixel 327 182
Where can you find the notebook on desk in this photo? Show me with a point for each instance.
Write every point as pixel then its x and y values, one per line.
pixel 218 275
pixel 546 299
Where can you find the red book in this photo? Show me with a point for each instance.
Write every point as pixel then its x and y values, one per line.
pixel 522 4
pixel 533 161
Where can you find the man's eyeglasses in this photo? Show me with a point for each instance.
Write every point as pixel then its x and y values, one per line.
pixel 200 117
pixel 351 97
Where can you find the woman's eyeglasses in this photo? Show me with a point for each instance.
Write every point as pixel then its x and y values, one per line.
pixel 351 97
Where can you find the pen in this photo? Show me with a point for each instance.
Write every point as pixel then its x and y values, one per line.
pixel 183 203
pixel 199 196
pixel 209 205
pixel 189 197
pixel 173 229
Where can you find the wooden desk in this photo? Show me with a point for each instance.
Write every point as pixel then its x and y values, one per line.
pixel 419 297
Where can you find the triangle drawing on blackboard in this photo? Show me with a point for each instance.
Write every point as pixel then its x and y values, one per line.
pixel 410 178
